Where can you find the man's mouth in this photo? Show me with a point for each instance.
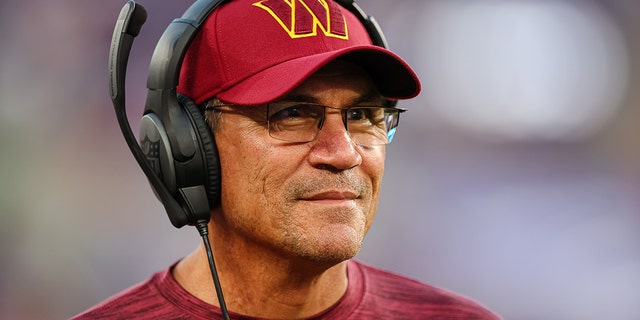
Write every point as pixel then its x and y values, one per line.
pixel 331 196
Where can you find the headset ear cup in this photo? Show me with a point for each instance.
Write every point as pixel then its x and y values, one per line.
pixel 208 147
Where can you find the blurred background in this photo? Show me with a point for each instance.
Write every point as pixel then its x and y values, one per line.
pixel 514 179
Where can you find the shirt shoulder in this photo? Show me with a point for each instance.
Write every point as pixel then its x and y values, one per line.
pixel 396 296
pixel 133 302
pixel 159 297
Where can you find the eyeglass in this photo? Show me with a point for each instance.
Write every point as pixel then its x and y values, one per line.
pixel 301 122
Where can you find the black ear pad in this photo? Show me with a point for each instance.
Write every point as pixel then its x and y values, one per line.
pixel 208 147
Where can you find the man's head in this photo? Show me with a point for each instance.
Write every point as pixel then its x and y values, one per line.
pixel 307 186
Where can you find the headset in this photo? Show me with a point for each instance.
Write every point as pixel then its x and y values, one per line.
pixel 177 150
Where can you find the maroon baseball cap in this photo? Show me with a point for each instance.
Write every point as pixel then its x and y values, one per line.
pixel 251 52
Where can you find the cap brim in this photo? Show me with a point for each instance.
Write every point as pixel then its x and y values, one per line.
pixel 392 76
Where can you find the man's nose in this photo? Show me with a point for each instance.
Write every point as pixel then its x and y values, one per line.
pixel 333 146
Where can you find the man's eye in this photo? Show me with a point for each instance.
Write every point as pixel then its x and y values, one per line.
pixel 373 114
pixel 296 112
pixel 358 114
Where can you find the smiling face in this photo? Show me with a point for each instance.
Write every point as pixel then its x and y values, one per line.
pixel 311 200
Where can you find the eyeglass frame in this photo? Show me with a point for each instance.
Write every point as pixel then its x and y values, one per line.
pixel 319 123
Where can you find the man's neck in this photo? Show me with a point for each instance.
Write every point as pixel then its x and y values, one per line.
pixel 262 285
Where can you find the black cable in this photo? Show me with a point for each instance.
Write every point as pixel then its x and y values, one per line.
pixel 201 225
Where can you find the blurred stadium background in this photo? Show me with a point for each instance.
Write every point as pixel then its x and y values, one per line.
pixel 514 179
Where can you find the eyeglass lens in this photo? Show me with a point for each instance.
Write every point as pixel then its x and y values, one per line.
pixel 301 122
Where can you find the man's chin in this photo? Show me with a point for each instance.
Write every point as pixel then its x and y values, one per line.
pixel 335 244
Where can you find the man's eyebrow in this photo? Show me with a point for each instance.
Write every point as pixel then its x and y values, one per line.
pixel 371 96
pixel 298 97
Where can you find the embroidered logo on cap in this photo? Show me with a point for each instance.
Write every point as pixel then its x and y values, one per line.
pixel 306 18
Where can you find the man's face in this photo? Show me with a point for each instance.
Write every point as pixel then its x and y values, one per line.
pixel 312 200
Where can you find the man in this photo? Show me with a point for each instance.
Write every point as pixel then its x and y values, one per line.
pixel 300 114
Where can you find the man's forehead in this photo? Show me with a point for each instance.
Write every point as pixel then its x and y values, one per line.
pixel 338 77
pixel 370 96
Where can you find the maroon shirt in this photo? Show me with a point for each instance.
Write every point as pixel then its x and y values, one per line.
pixel 371 294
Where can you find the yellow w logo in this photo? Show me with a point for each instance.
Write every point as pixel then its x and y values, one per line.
pixel 303 18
